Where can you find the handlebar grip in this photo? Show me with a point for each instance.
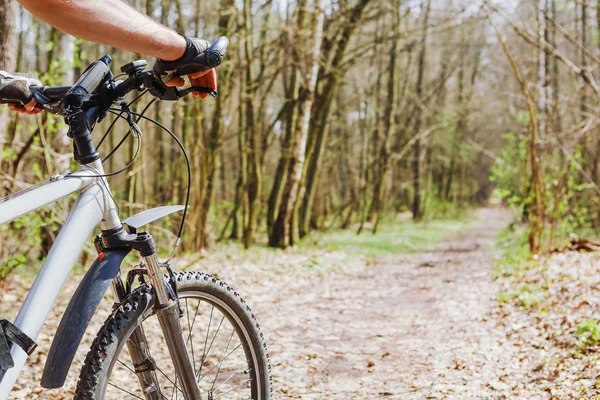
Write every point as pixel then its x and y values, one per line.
pixel 216 52
pixel 93 76
pixel 210 58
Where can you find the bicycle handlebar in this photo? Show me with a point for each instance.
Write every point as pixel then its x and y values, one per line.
pixel 47 96
pixel 89 100
pixel 93 76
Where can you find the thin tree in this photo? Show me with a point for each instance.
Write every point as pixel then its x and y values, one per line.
pixel 8 54
pixel 417 147
pixel 536 216
pixel 279 237
pixel 384 160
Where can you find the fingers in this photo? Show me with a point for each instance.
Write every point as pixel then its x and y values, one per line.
pixel 31 105
pixel 200 73
pixel 29 108
pixel 198 82
pixel 206 78
pixel 176 81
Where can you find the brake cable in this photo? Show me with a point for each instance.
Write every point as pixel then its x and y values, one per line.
pixel 111 126
pixel 189 172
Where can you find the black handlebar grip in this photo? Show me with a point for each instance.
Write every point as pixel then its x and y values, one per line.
pixel 216 52
pixel 94 75
pixel 209 58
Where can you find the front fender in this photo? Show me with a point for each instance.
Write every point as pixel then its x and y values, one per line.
pixel 78 315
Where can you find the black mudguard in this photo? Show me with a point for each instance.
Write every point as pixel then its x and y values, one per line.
pixel 78 315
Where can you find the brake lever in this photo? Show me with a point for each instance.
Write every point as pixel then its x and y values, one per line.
pixel 172 93
pixel 198 89
pixel 42 103
pixel 46 104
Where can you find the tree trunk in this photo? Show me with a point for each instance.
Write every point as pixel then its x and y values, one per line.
pixel 253 145
pixel 417 150
pixel 286 146
pixel 536 218
pixel 380 185
pixel 290 193
pixel 8 55
pixel 212 147
pixel 318 130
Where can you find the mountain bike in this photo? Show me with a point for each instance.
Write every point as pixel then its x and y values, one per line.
pixel 184 335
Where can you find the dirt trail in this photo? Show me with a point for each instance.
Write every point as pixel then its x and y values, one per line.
pixel 418 326
pixel 414 327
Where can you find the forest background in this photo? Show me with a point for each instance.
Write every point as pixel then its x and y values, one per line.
pixel 337 114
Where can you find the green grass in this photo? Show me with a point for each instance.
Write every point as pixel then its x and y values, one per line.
pixel 514 264
pixel 513 243
pixel 392 237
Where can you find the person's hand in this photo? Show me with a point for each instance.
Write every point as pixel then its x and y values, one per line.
pixel 15 89
pixel 192 64
pixel 206 78
pixel 28 108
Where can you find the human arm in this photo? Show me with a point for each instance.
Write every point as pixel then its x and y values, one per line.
pixel 114 23
pixel 109 22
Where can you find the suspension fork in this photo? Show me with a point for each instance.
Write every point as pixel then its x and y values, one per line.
pixel 137 344
pixel 166 308
pixel 167 311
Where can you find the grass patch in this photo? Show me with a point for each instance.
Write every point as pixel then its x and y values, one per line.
pixel 588 332
pixel 392 238
pixel 514 264
pixel 515 256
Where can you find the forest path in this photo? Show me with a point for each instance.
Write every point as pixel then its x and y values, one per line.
pixel 416 326
pixel 419 326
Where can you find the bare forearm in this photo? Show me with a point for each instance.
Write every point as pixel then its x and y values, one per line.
pixel 110 22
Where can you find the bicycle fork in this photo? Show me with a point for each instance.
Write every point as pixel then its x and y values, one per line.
pixel 167 311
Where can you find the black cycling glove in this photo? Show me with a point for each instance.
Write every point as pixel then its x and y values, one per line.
pixel 15 87
pixel 199 55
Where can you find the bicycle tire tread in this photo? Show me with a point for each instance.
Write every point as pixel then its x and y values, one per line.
pixel 132 307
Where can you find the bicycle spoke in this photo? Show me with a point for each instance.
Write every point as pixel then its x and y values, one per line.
pixel 154 365
pixel 213 368
pixel 150 355
pixel 206 339
pixel 235 388
pixel 210 347
pixel 211 343
pixel 195 315
pixel 145 381
pixel 191 326
pixel 126 391
pixel 174 392
pixel 221 362
pixel 231 376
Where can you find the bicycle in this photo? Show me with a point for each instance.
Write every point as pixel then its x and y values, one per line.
pixel 146 348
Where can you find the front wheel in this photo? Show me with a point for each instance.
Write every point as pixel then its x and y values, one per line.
pixel 222 337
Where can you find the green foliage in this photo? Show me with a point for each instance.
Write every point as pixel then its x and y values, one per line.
pixel 512 242
pixel 7 154
pixel 12 262
pixel 570 201
pixel 531 295
pixel 589 333
pixel 20 240
pixel 438 209
pixel 508 171
pixel 513 264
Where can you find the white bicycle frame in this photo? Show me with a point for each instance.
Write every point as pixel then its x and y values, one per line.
pixel 94 206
